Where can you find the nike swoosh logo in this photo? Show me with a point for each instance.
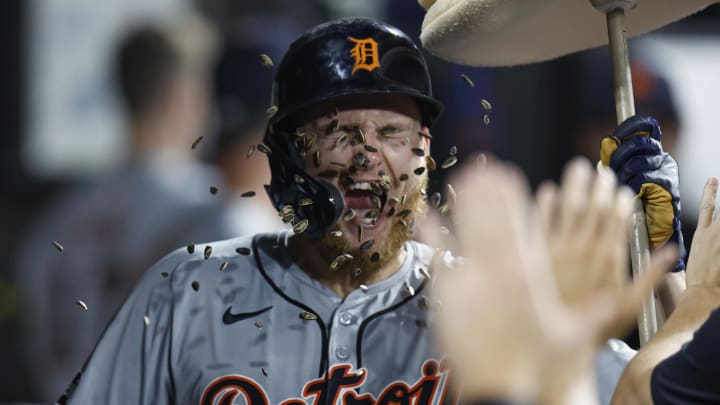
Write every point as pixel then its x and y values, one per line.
pixel 230 318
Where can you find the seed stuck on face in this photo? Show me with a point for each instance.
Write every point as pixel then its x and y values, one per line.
pixel 81 304
pixel 450 162
pixel 467 80
pixel 58 246
pixel 340 261
pixel 223 266
pixel 336 234
pixel 359 137
pixel 349 215
pixel 370 148
pixel 248 194
pixel 359 159
pixel 420 170
pixel 196 142
pixel 376 203
pixel 359 233
pixel 195 285
pixel 367 245
pixel 403 177
pixel 316 158
pixel 265 60
pixel 271 111
pixel 301 226
pixel 356 272
pixel 341 140
pixel 430 162
pixel 307 316
pixel 424 135
pixel 245 251
pixel 338 164
pixel 391 212
pixel 418 152
pixel 404 213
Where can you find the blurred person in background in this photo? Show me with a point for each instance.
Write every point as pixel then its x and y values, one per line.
pixel 111 231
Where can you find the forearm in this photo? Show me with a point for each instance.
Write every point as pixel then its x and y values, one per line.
pixel 693 309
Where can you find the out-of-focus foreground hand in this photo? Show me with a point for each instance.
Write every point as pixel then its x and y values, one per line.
pixel 504 324
pixel 704 262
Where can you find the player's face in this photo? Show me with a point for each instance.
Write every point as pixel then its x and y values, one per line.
pixel 378 176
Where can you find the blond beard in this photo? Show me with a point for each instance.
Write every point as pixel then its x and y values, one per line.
pixel 399 234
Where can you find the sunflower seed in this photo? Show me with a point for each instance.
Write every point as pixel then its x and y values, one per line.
pixel 81 304
pixel 298 179
pixel 393 201
pixel 195 285
pixel 418 152
pixel 405 141
pixel 341 139
pixel 356 272
pixel 223 266
pixel 402 199
pixel 444 230
pixel 301 226
pixel 300 132
pixel 452 194
pixel 370 149
pixel 305 202
pixel 164 274
pixel 359 137
pixel 332 127
pixel 424 135
pixel 338 164
pixel 404 213
pixel 360 233
pixel 307 316
pixel 453 150
pixel 310 141
pixel 213 190
pixel 349 215
pixel 258 324
pixel 289 218
pixel 403 223
pixel 338 262
pixel 271 111
pixel 336 234
pixel 467 80
pixel 264 371
pixel 265 60
pixel 377 188
pixel 316 158
pixel 444 209
pixel 58 246
pixel 264 148
pixel 286 210
pixel 391 212
pixel 146 320
pixel 364 287
pixel 376 202
pixel 250 151
pixel 403 177
pixel 424 303
pixel 375 257
pixel 425 273
pixel 409 290
pixel 245 251
pixel 248 194
pixel 420 170
pixel 196 142
pixel 367 244
pixel 372 214
pixel 435 200
pixel 359 159
pixel 430 163
pixel 486 105
pixel 486 119
pixel 449 162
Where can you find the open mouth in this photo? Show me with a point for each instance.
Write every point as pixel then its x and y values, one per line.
pixel 365 202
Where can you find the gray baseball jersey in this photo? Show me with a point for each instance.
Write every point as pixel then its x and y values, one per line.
pixel 253 328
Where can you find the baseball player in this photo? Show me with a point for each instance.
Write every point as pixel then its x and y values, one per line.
pixel 335 311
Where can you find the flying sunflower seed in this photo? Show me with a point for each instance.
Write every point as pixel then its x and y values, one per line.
pixel 467 80
pixel 164 274
pixel 336 234
pixel 81 304
pixel 393 201
pixel 418 152
pixel 271 111
pixel 452 194
pixel 338 262
pixel 376 203
pixel 341 139
pixel 146 320
pixel 289 218
pixel 213 190
pixel 367 244
pixel 349 215
pixel 403 223
pixel 450 162
pixel 299 179
pixel 307 316
pixel 453 151
pixel 444 209
pixel 250 151
pixel 223 266
pixel 58 246
pixel 248 194
pixel 430 162
pixel 375 257
pixel 424 303
pixel 435 200
pixel 444 230
pixel 364 287
pixel 286 210
pixel 391 212
pixel 338 164
pixel 420 170
pixel 207 252
pixel 264 148
pixel 402 199
pixel 195 285
pixel 356 272
pixel 316 158
pixel 245 251
pixel 265 60
pixel 370 148
pixel 305 202
pixel 196 142
pixel 258 324
pixel 404 213
pixel 409 290
pixel 424 135
pixel 403 177
pixel 300 132
pixel 486 105
pixel 486 119
pixel 301 226
pixel 425 273
pixel 264 371
pixel 360 233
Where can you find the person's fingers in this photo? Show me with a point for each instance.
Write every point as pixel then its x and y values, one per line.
pixel 574 192
pixel 546 198
pixel 707 203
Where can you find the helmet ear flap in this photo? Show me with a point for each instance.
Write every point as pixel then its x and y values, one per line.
pixel 290 183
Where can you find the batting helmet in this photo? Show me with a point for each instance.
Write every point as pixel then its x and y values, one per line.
pixel 339 58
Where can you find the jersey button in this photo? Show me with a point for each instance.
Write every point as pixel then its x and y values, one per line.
pixel 346 318
pixel 342 353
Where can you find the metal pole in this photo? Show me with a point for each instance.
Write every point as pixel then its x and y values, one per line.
pixel 625 108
